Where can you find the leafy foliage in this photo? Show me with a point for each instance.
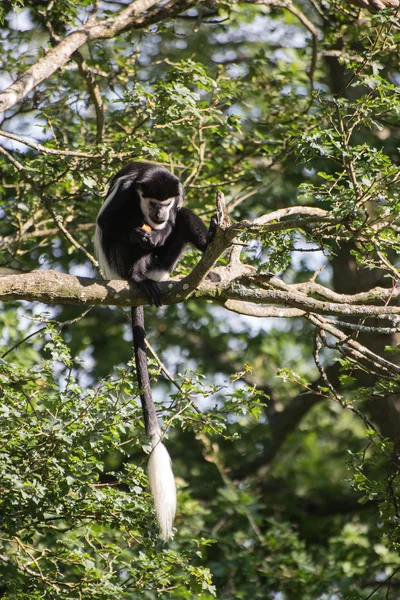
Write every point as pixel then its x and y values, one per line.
pixel 284 443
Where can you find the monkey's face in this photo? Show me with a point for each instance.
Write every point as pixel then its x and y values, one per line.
pixel 157 212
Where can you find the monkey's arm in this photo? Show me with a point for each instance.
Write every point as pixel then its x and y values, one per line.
pixel 193 230
pixel 188 229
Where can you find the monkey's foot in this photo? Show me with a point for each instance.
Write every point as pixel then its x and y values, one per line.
pixel 151 290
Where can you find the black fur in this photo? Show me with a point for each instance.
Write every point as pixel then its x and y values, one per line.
pixel 126 251
pixel 132 252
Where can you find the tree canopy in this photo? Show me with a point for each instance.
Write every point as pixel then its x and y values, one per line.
pixel 274 361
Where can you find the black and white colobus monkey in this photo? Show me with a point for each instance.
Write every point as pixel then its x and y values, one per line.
pixel 142 194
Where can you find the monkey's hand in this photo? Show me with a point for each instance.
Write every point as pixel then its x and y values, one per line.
pixel 212 229
pixel 151 290
pixel 145 239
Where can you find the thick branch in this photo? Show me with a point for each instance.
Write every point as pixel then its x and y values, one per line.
pixel 315 215
pixel 236 282
pixel 311 288
pixel 236 286
pixel 246 293
pixel 52 287
pixel 255 310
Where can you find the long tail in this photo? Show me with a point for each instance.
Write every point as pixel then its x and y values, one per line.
pixel 161 477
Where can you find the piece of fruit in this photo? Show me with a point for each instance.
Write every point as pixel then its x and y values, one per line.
pixel 147 227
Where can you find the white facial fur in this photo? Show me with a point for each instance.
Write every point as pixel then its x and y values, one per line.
pixel 145 207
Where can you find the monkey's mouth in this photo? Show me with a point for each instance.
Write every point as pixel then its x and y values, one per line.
pixel 158 221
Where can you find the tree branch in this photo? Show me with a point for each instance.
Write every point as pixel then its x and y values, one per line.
pixel 52 287
pixel 130 18
pixel 231 285
pixel 236 286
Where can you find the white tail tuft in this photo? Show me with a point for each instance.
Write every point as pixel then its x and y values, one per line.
pixel 162 485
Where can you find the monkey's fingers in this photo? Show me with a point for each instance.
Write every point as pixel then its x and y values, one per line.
pixel 138 236
pixel 152 291
pixel 212 228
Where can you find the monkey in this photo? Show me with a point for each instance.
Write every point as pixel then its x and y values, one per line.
pixel 142 229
